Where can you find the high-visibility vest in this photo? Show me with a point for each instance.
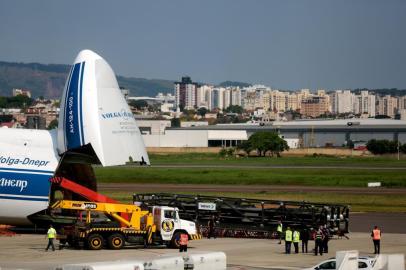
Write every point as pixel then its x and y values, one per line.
pixel 319 235
pixel 279 229
pixel 296 237
pixel 376 234
pixel 51 233
pixel 288 235
pixel 184 238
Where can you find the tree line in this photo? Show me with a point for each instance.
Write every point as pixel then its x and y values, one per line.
pixel 379 147
pixel 19 101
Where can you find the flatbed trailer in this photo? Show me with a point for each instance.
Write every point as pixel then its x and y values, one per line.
pixel 251 218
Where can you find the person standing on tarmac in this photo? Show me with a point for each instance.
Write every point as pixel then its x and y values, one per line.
pixel 288 240
pixel 305 239
pixel 51 235
pixel 279 230
pixel 376 238
pixel 296 240
pixel 183 241
pixel 212 231
pixel 318 239
pixel 326 238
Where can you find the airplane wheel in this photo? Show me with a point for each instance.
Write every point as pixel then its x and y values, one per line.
pixel 116 241
pixel 95 241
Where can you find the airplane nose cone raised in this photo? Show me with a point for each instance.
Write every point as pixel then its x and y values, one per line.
pixel 87 55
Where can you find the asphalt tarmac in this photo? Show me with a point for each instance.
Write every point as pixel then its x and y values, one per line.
pixel 27 251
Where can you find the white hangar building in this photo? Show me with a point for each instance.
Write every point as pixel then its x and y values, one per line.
pixel 313 133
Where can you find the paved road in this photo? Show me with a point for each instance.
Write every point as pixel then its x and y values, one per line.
pixel 137 188
pixel 388 222
pixel 253 166
pixel 26 251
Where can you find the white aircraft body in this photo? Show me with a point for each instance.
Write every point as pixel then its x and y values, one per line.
pixel 96 126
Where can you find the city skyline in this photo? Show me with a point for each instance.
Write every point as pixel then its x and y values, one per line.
pixel 286 45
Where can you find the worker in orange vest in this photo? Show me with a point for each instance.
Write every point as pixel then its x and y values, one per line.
pixel 376 238
pixel 183 241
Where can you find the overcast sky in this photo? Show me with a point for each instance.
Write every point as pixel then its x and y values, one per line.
pixel 284 44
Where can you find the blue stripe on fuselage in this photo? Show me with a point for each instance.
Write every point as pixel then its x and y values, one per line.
pixel 26 170
pixel 24 198
pixel 72 116
pixel 82 138
pixel 65 105
pixel 24 183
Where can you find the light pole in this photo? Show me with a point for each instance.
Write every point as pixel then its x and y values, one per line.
pixel 398 150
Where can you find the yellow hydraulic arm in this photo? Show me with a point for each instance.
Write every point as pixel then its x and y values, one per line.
pixel 135 213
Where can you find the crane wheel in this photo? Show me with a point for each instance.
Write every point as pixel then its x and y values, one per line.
pixel 95 241
pixel 115 241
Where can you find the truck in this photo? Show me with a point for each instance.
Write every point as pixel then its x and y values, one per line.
pixel 119 224
pixel 251 218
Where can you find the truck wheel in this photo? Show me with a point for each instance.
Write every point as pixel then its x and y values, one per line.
pixel 95 241
pixel 115 241
pixel 175 242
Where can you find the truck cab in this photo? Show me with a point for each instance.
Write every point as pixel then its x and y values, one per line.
pixel 169 226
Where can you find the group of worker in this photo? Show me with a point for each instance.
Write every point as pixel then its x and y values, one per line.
pixel 321 238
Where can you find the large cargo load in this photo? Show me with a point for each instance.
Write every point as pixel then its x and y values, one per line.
pixel 253 218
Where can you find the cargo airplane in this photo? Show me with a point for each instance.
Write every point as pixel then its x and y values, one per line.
pixel 96 126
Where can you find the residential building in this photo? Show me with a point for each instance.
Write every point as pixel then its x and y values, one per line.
pixel 204 93
pixel 23 92
pixel 387 105
pixel 364 104
pixel 217 98
pixel 314 106
pixel 235 96
pixel 186 93
pixel 342 101
pixel 278 101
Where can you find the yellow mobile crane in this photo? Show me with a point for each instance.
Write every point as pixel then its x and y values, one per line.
pixel 94 234
pixel 158 224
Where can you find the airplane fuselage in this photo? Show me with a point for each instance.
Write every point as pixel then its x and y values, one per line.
pixel 28 158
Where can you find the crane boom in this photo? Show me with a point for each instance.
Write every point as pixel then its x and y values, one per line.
pixel 112 209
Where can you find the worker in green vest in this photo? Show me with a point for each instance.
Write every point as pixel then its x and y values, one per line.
pixel 279 230
pixel 296 240
pixel 288 240
pixel 51 235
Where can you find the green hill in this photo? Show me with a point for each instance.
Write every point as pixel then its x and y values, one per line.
pixel 49 80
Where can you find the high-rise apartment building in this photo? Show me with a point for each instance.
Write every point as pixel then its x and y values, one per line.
pixel 387 105
pixel 402 103
pixel 341 101
pixel 235 96
pixel 314 106
pixel 364 104
pixel 204 96
pixel 253 97
pixel 291 102
pixel 226 98
pixel 217 98
pixel 186 93
pixel 278 101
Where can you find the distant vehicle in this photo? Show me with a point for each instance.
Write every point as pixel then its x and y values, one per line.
pixel 360 145
pixel 364 263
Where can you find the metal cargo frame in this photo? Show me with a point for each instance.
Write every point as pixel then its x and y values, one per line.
pixel 253 218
